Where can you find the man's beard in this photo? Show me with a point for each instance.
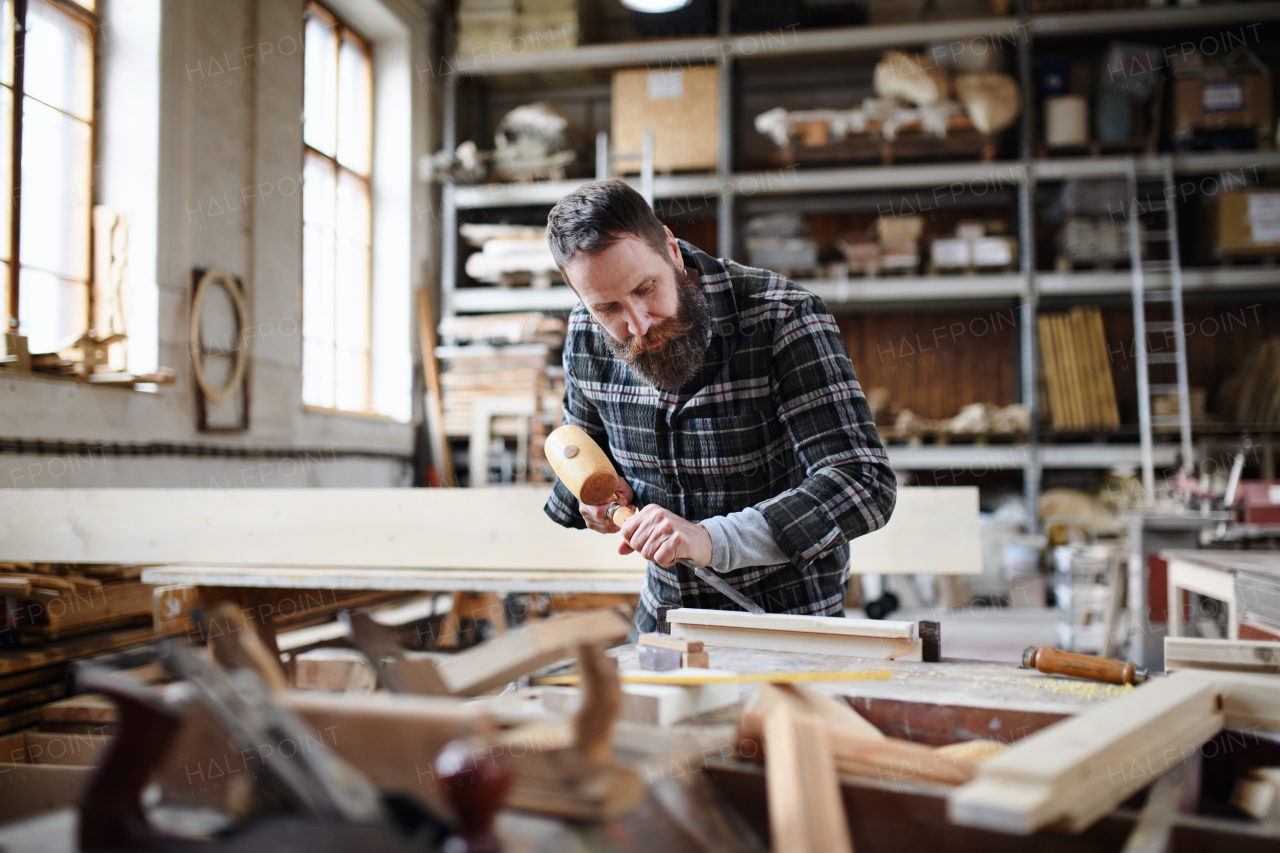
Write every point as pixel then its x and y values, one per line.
pixel 682 338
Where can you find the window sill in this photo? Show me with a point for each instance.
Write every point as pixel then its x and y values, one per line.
pixel 367 416
pixel 62 379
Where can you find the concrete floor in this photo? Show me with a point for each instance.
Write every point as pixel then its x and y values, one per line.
pixel 981 632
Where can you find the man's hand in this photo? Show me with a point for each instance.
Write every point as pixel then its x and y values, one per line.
pixel 594 515
pixel 664 537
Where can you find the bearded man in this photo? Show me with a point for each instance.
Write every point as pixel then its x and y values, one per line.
pixel 726 398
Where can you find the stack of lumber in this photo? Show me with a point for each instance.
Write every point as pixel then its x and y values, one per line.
pixel 1077 371
pixel 56 613
pixel 474 372
pixel 1251 396
pixel 49 601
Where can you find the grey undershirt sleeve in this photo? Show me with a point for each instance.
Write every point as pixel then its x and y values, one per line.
pixel 742 539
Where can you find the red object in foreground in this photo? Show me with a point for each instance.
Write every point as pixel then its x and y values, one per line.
pixel 476 783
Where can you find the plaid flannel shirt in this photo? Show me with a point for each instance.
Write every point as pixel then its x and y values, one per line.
pixel 774 420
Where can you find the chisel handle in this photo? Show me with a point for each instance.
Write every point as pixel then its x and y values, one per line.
pixel 1057 662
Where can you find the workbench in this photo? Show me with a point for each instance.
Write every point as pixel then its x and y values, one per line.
pixel 692 771
pixel 1151 532
pixel 1242 580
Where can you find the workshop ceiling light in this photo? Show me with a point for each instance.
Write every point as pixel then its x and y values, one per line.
pixel 655 5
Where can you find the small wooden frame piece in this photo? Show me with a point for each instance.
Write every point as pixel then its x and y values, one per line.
pixel 1074 772
pixel 662 653
pixel 1224 655
pixel 830 635
pixel 343 670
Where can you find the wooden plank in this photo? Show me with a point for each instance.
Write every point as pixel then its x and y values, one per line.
pixel 879 648
pixel 21 719
pixel 789 623
pixel 1053 383
pixel 933 530
pixel 483 528
pixel 85 708
pixel 626 582
pixel 32 678
pixel 60 651
pixel 806 811
pixel 54 748
pixel 664 704
pixel 26 698
pixel 1074 772
pixel 441 458
pixel 1248 700
pixel 344 670
pixel 1238 655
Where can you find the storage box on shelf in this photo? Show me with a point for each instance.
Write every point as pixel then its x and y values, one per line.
pixel 679 104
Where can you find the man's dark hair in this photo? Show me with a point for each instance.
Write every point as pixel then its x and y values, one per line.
pixel 596 216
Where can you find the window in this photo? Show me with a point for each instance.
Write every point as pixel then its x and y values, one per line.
pixel 336 234
pixel 46 166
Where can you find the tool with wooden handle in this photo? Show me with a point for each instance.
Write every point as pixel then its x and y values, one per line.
pixel 1057 662
pixel 584 469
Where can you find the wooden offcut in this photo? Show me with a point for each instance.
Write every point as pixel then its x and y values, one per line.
pixel 678 105
pixel 1233 655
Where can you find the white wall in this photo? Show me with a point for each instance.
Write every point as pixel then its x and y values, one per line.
pixel 200 138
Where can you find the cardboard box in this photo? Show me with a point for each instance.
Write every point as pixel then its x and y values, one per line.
pixel 1245 222
pixel 1221 102
pixel 679 105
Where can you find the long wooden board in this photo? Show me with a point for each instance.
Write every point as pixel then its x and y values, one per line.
pixel 1230 655
pixel 499 528
pixel 485 529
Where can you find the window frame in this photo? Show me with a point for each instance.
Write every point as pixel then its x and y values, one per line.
pixel 341 31
pixel 14 262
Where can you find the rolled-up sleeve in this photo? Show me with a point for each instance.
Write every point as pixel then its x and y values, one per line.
pixel 849 488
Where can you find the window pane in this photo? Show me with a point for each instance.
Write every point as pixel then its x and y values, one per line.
pixel 355 119
pixel 52 310
pixel 352 331
pixel 55 192
pixel 59 60
pixel 6 42
pixel 320 88
pixel 318 252
pixel 6 168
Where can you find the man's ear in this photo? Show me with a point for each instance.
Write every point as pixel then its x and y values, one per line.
pixel 674 249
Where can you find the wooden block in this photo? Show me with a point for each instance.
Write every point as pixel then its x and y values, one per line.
pixel 11 702
pixel 53 748
pixel 1238 655
pixel 391 738
pixel 695 660
pixel 656 659
pixel 806 810
pixel 85 708
pixel 664 704
pixel 42 789
pixel 171 606
pixel 665 641
pixel 344 670
pixel 1248 700
pixel 931 641
pixel 1254 797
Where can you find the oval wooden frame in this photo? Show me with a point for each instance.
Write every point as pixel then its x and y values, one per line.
pixel 214 395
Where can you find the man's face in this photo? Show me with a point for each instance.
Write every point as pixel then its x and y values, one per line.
pixel 628 288
pixel 654 317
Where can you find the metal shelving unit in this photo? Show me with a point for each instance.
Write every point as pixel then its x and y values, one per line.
pixel 1024 288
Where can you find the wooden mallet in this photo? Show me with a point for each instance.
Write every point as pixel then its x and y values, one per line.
pixel 584 469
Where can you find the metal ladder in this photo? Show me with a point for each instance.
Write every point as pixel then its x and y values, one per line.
pixel 1150 293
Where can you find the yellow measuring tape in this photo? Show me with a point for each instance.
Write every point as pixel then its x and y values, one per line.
pixel 748 678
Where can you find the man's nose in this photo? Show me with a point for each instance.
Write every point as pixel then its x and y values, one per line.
pixel 638 321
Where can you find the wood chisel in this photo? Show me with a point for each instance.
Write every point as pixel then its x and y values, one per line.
pixel 586 472
pixel 1053 661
